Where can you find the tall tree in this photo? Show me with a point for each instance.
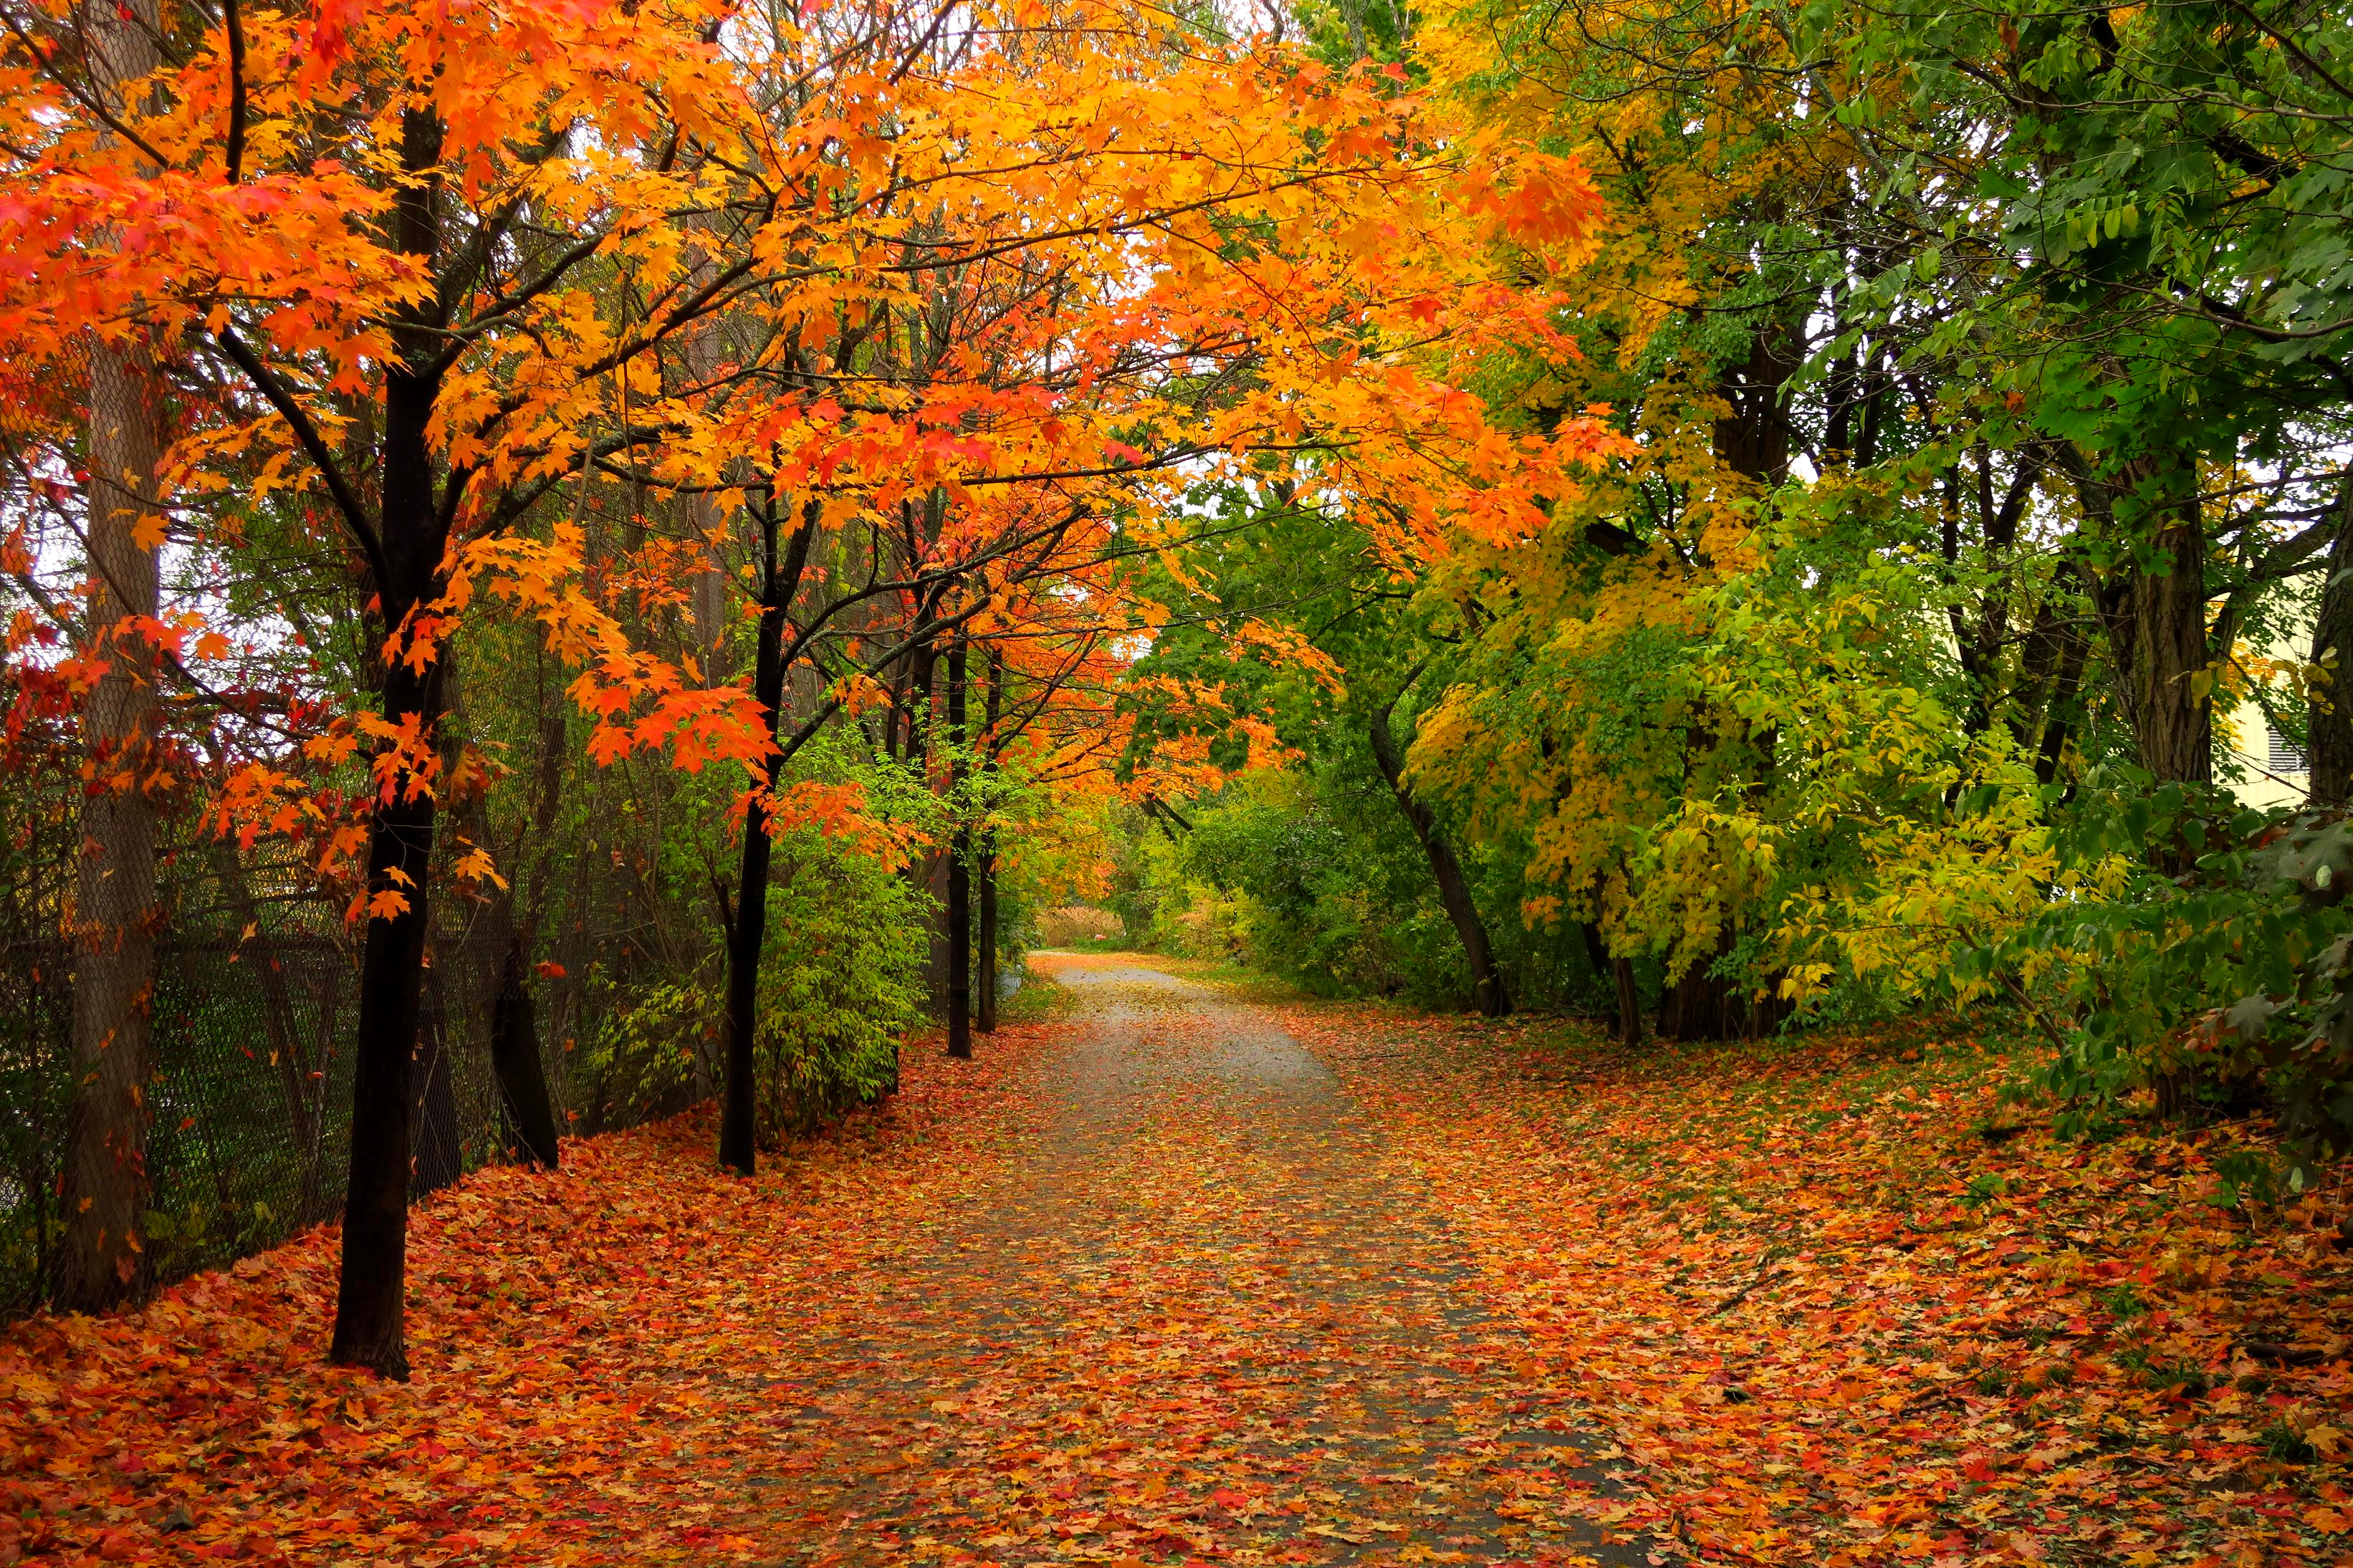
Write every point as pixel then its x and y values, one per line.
pixel 984 936
pixel 959 902
pixel 1487 987
pixel 421 349
pixel 115 915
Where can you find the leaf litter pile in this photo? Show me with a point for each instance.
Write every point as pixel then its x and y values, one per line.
pixel 1845 1305
pixel 1153 1285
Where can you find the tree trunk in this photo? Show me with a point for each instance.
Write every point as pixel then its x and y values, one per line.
pixel 1753 440
pixel 2329 741
pixel 750 931
pixel 371 1327
pixel 2050 667
pixel 959 935
pixel 984 980
pixel 303 1094
pixel 525 1105
pixel 115 912
pixel 923 872
pixel 1630 1001
pixel 2155 619
pixel 780 582
pixel 526 1111
pixel 1699 1005
pixel 1453 887
pixel 1621 971
pixel 986 940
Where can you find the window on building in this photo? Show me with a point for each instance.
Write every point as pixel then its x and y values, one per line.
pixel 2286 756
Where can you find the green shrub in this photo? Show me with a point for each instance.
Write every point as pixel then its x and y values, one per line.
pixel 654 1048
pixel 2215 976
pixel 841 980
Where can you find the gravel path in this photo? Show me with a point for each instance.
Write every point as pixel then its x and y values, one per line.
pixel 1195 1324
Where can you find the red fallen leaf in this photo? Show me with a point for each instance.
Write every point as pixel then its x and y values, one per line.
pixel 1723 1208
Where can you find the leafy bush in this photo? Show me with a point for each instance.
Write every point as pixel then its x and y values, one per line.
pixel 842 979
pixel 1079 926
pixel 2214 974
pixel 654 1049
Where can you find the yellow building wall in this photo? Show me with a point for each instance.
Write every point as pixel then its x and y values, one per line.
pixel 2247 734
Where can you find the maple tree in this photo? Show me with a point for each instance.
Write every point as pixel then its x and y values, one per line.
pixel 417 368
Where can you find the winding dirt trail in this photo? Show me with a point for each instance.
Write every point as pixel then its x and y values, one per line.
pixel 1194 1321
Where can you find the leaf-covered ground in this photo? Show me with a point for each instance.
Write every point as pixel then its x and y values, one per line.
pixel 1845 1305
pixel 1133 1289
pixel 591 1350
pixel 1150 1283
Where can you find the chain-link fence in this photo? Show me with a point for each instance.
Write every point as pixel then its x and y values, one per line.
pixel 251 1097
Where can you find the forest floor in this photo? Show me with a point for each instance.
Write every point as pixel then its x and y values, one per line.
pixel 1180 1272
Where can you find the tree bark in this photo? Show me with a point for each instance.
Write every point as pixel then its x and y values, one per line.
pixel 526 1106
pixel 1753 438
pixel 1698 1007
pixel 780 581
pixel 528 1129
pixel 985 1018
pixel 371 1301
pixel 303 1096
pixel 371 1327
pixel 2155 614
pixel 1630 1001
pixel 749 933
pixel 115 913
pixel 1621 971
pixel 959 869
pixel 1754 441
pixel 1453 887
pixel 1701 1006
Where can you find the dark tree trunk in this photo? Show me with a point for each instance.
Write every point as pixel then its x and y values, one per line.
pixel 924 871
pixel 1698 1007
pixel 303 1098
pixel 959 933
pixel 1630 1001
pixel 370 1330
pixel 2328 743
pixel 527 1125
pixel 985 1019
pixel 985 978
pixel 1620 973
pixel 525 1108
pixel 780 581
pixel 2051 669
pixel 1753 438
pixel 115 910
pixel 1453 887
pixel 750 931
pixel 371 1327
